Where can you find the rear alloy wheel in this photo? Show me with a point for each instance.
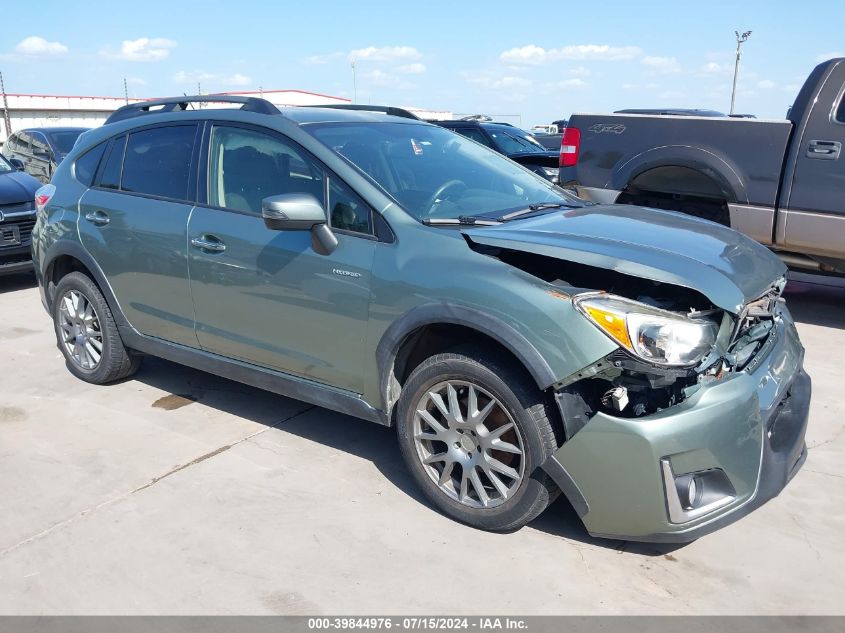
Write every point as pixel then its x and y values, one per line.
pixel 87 334
pixel 82 337
pixel 474 430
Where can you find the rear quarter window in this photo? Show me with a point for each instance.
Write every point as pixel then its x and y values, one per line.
pixel 110 172
pixel 86 165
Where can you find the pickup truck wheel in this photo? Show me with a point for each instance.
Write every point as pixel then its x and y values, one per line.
pixel 87 334
pixel 713 210
pixel 474 429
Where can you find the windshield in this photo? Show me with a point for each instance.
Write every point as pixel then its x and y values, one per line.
pixel 434 173
pixel 5 166
pixel 516 141
pixel 63 141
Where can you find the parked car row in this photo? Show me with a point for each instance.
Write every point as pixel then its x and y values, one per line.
pixel 523 342
pixel 38 151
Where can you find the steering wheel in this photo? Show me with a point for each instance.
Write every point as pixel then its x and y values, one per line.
pixel 441 192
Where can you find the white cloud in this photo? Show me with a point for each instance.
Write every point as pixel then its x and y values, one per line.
pixel 34 46
pixel 580 71
pixel 671 94
pixel 766 84
pixel 575 82
pixel 199 76
pixel 712 68
pixel 412 69
pixel 492 82
pixel 823 57
pixel 239 80
pixel 384 53
pixel 144 49
pixel 326 58
pixel 183 77
pixel 662 64
pixel 135 81
pixel 532 54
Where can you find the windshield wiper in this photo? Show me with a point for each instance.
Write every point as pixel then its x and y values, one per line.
pixel 463 220
pixel 539 206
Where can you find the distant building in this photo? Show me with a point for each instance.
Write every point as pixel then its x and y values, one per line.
pixel 27 110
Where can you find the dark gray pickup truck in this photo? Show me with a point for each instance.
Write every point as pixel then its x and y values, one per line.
pixel 780 182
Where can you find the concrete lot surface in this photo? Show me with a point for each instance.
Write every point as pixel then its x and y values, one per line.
pixel 177 492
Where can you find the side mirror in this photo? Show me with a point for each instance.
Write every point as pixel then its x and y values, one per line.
pixel 299 212
pixel 17 163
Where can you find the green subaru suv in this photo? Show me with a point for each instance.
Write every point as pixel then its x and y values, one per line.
pixel 522 342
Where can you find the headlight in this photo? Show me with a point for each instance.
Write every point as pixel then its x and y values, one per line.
pixel 656 336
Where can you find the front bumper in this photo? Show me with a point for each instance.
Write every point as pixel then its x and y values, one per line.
pixel 16 259
pixel 750 425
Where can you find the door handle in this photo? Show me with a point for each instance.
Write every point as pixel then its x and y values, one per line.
pixel 208 243
pixel 97 217
pixel 824 150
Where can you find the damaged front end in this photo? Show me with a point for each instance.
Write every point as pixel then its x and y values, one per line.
pixel 665 355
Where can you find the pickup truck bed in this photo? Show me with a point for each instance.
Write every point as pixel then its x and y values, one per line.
pixel 781 182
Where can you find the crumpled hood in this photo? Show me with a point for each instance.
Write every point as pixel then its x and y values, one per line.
pixel 723 265
pixel 16 187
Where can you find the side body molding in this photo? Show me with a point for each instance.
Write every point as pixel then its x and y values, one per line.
pixel 473 318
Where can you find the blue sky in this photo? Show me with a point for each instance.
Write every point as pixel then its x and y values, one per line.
pixel 537 60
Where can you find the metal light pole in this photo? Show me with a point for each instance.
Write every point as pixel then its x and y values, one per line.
pixel 125 91
pixel 6 118
pixel 740 40
pixel 354 84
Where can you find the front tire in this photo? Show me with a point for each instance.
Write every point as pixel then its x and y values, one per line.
pixel 86 332
pixel 474 430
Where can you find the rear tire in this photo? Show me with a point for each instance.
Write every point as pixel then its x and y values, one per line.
pixel 706 209
pixel 86 333
pixel 484 469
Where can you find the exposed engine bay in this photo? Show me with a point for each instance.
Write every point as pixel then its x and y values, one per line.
pixel 624 385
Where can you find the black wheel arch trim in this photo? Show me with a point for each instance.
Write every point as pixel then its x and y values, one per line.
pixel 567 485
pixel 715 167
pixel 77 251
pixel 451 314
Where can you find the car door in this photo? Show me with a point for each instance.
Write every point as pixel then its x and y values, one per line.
pixel 266 297
pixel 134 223
pixel 813 219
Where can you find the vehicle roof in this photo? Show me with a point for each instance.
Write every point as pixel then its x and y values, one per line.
pixel 673 111
pixel 461 122
pixel 316 114
pixel 61 128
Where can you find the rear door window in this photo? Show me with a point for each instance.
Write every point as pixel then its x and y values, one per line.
pixel 839 116
pixel 474 134
pixel 158 162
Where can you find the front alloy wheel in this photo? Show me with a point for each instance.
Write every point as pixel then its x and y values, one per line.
pixel 474 431
pixel 468 444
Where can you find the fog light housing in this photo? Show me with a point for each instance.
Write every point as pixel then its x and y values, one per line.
pixel 693 495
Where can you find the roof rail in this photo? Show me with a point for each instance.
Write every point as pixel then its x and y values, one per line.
pixel 250 104
pixel 391 110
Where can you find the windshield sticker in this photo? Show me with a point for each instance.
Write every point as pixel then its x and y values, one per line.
pixel 417 147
